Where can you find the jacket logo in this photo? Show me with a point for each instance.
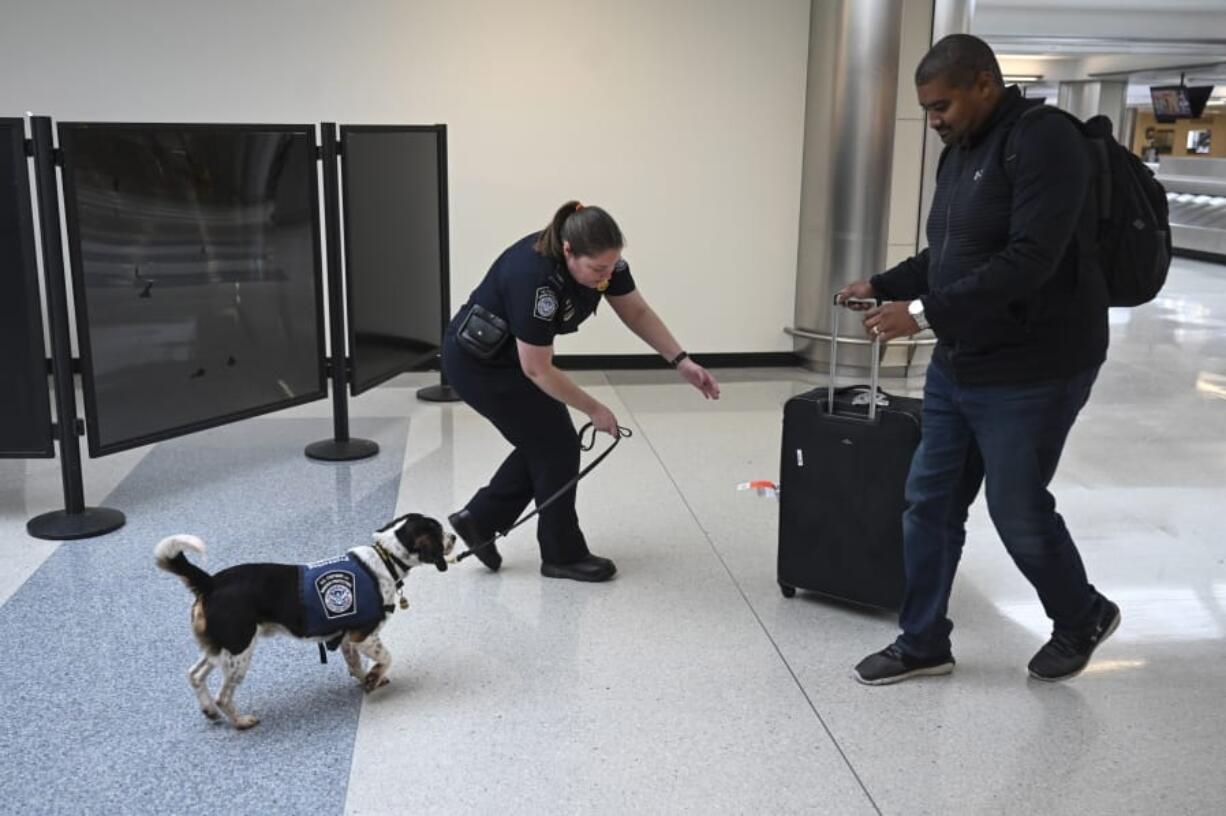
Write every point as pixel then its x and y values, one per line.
pixel 978 174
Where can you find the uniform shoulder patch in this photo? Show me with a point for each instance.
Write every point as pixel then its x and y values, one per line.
pixel 621 265
pixel 546 304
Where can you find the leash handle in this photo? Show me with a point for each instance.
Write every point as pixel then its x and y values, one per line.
pixel 622 433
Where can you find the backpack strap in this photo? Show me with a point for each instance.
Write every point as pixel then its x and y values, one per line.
pixel 1097 130
pixel 1100 183
pixel 1099 133
pixel 1030 115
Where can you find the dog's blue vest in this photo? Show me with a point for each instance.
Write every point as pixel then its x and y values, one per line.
pixel 340 593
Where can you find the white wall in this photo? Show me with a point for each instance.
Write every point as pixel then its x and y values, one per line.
pixel 683 117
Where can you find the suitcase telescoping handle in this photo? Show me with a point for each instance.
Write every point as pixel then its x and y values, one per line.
pixel 875 367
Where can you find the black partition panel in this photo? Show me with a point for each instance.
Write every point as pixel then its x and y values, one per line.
pixel 196 272
pixel 25 404
pixel 395 199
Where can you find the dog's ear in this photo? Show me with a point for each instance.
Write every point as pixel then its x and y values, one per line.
pixel 397 522
pixel 415 526
pixel 408 534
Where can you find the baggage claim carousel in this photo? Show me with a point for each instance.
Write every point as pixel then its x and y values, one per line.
pixel 1196 193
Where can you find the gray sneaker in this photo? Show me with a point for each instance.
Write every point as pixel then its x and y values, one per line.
pixel 1068 653
pixel 890 665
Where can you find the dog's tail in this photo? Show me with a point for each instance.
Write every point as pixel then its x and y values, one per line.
pixel 169 556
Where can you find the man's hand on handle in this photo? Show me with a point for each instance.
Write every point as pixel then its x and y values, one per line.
pixel 889 321
pixel 860 289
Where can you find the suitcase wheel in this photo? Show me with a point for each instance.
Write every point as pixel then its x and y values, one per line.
pixel 788 591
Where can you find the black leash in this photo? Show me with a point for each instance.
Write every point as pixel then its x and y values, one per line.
pixel 622 433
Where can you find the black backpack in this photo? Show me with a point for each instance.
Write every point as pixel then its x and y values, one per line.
pixel 1134 227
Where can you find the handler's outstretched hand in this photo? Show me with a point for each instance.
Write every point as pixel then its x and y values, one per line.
pixel 699 377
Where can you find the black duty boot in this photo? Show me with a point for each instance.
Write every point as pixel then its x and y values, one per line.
pixel 589 568
pixel 465 527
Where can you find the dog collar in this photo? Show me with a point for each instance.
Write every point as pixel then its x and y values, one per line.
pixel 387 558
pixel 390 561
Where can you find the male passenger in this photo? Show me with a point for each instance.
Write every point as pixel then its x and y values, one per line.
pixel 1019 309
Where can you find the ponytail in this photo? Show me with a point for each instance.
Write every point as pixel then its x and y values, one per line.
pixel 589 230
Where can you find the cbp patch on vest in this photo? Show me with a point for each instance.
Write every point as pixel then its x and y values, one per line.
pixel 335 590
pixel 546 304
pixel 338 594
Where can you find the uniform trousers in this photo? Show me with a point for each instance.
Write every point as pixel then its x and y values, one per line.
pixel 545 458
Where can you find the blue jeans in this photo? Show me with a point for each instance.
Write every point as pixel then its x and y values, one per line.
pixel 1012 436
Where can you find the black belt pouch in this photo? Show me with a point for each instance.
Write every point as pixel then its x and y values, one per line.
pixel 483 333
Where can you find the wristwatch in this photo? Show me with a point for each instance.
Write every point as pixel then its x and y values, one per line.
pixel 676 361
pixel 916 310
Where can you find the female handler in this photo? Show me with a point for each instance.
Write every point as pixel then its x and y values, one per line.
pixel 498 356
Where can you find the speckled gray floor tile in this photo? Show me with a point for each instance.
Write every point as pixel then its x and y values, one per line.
pixel 98 716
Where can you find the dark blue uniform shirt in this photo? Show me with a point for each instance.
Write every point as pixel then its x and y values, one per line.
pixel 537 295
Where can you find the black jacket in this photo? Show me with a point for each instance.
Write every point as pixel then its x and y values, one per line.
pixel 1009 282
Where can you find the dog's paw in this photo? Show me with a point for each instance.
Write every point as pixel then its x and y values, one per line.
pixel 374 681
pixel 246 721
pixel 211 712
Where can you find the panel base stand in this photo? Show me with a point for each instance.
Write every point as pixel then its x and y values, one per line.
pixel 438 393
pixel 334 450
pixel 60 525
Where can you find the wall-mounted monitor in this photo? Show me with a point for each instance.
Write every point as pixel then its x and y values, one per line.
pixel 394 186
pixel 196 274
pixel 1173 102
pixel 25 404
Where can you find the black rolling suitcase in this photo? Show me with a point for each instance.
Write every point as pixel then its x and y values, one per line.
pixel 842 477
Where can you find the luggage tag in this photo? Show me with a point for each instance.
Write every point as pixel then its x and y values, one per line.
pixel 763 487
pixel 861 398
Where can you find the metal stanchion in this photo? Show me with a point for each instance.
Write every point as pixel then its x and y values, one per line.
pixel 75 520
pixel 341 448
